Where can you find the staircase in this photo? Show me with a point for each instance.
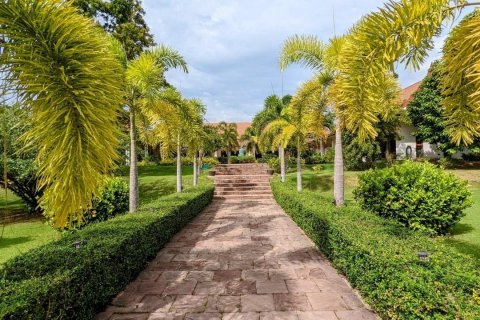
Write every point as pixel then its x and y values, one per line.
pixel 249 181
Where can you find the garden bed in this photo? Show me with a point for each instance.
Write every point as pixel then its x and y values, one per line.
pixel 74 277
pixel 379 257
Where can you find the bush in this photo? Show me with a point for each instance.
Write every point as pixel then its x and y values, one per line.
pixel 266 157
pixel 419 195
pixel 379 257
pixel 212 161
pixel 58 281
pixel 242 159
pixel 111 201
pixel 329 155
pixel 274 164
pixel 360 155
pixel 318 168
pixel 173 162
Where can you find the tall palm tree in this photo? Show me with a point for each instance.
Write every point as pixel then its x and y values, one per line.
pixel 251 140
pixel 145 80
pixel 404 31
pixel 229 134
pixel 313 53
pixel 63 68
pixel 197 136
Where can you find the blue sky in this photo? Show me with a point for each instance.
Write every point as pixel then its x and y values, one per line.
pixel 232 46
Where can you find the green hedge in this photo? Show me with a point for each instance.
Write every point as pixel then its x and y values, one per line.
pixel 379 257
pixel 57 281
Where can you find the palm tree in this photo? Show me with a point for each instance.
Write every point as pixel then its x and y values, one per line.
pixel 229 134
pixel 197 136
pixel 63 68
pixel 313 53
pixel 251 140
pixel 403 31
pixel 145 80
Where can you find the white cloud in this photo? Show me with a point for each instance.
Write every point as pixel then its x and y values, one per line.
pixel 232 46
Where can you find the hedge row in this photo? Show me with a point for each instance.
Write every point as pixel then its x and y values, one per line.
pixel 58 281
pixel 379 257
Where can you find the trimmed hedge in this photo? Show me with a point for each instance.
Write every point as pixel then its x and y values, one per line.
pixel 379 257
pixel 57 281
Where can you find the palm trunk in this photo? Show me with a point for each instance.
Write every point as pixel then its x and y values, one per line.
pixel 133 193
pixel 299 167
pixel 281 152
pixel 228 155
pixel 322 148
pixel 146 151
pixel 338 176
pixel 179 165
pixel 195 170
pixel 254 151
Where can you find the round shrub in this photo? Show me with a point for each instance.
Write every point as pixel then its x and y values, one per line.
pixel 419 195
pixel 274 164
pixel 242 159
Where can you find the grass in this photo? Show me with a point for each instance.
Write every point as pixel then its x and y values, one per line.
pixel 154 181
pixel 464 237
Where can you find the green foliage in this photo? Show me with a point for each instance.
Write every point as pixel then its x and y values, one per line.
pixel 359 155
pixel 418 195
pixel 244 159
pixel 189 161
pixel 66 72
pixel 272 109
pixel 318 168
pixel 379 258
pixel 427 113
pixel 123 19
pixel 58 281
pixel 112 200
pixel 274 164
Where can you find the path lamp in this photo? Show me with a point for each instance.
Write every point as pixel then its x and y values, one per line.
pixel 77 244
pixel 423 256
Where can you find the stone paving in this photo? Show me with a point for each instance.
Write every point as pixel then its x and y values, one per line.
pixel 239 260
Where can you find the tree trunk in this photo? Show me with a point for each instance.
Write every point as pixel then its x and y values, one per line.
pixel 338 176
pixel 146 151
pixel 299 167
pixel 133 193
pixel 228 155
pixel 254 151
pixel 195 170
pixel 281 152
pixel 322 148
pixel 179 165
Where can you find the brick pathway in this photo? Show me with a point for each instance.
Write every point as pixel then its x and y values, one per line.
pixel 239 259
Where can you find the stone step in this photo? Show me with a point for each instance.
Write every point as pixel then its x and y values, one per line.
pixel 236 188
pixel 240 193
pixel 242 184
pixel 244 197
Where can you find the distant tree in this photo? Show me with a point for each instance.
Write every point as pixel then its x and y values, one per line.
pixel 123 19
pixel 272 110
pixel 229 134
pixel 427 113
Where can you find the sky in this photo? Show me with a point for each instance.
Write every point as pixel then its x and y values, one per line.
pixel 232 47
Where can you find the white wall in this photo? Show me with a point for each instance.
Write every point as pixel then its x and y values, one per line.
pixel 406 140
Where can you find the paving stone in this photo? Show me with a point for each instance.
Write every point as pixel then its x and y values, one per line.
pixel 317 315
pixel 326 301
pixel 291 302
pixel 210 287
pixel 301 286
pixel 189 303
pixel 238 287
pixel 271 286
pixel 180 287
pixel 279 315
pixel 362 314
pixel 257 303
pixel 239 260
pixel 200 276
pixel 227 275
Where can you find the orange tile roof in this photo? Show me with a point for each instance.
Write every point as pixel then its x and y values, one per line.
pixel 241 126
pixel 407 93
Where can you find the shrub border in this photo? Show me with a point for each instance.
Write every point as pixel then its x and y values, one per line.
pixel 378 257
pixel 57 281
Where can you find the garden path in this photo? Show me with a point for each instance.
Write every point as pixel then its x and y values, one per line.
pixel 239 259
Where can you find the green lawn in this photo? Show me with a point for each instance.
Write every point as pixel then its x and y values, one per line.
pixel 465 236
pixel 154 181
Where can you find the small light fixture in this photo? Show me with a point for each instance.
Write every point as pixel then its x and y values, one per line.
pixel 423 255
pixel 77 244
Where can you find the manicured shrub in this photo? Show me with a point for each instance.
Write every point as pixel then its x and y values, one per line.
pixel 379 257
pixel 112 200
pixel 242 159
pixel 419 195
pixel 58 281
pixel 274 164
pixel 211 161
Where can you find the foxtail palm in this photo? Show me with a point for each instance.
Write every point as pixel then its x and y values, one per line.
pixel 313 53
pixel 404 31
pixel 64 70
pixel 145 80
pixel 251 140
pixel 229 134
